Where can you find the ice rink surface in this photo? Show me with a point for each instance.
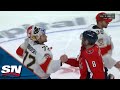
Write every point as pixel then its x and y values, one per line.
pixel 63 37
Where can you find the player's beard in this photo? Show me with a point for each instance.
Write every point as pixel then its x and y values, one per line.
pixel 45 40
pixel 105 26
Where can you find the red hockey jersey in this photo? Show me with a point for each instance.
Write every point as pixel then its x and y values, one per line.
pixel 90 60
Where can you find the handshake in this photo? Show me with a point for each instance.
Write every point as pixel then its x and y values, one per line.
pixel 64 58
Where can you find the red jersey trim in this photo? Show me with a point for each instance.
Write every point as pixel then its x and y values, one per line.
pixel 105 49
pixel 45 65
pixel 19 51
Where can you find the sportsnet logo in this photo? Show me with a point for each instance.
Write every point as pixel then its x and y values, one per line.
pixel 11 70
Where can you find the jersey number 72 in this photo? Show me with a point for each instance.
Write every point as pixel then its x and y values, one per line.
pixel 30 57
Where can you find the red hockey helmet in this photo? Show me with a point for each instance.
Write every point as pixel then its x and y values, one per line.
pixel 100 17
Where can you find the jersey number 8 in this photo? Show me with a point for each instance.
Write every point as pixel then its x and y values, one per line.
pixel 93 64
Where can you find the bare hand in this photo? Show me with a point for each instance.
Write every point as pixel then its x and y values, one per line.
pixel 117 65
pixel 64 58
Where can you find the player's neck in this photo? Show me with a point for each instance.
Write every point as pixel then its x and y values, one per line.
pixel 99 26
pixel 41 43
pixel 89 46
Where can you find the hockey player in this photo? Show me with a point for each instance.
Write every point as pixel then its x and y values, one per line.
pixel 36 55
pixel 22 48
pixel 90 60
pixel 104 41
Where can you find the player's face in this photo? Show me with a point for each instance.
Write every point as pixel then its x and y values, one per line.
pixel 105 24
pixel 43 38
pixel 84 42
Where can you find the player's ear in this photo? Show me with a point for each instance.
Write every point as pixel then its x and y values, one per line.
pixel 81 36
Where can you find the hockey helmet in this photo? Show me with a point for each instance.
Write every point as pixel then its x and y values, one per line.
pixel 91 36
pixel 37 31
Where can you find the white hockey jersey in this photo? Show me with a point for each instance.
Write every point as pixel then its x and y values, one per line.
pixel 103 39
pixel 39 59
pixel 106 45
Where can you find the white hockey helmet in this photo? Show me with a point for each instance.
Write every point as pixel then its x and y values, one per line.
pixel 37 31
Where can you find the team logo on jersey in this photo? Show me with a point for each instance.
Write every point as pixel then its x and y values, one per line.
pixel 90 51
pixel 100 42
pixel 11 70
